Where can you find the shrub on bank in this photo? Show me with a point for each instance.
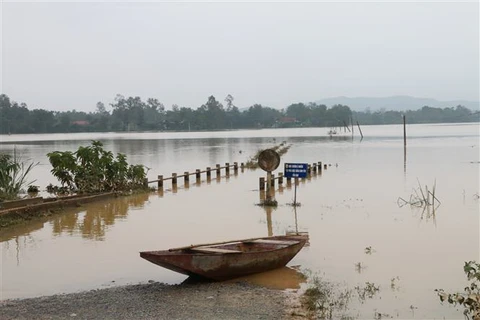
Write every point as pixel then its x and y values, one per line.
pixel 92 169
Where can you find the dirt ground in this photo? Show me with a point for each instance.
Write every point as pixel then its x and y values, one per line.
pixel 160 301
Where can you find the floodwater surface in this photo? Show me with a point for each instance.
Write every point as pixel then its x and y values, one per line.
pixel 359 231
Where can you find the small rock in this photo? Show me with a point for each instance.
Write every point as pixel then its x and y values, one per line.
pixel 73 315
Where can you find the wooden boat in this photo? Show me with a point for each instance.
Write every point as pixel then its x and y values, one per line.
pixel 226 260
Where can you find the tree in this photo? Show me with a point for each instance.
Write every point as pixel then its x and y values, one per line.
pixel 215 114
pixel 101 108
pixel 258 116
pixel 132 113
pixel 229 101
pixel 338 115
pixel 154 114
pixel 318 114
pixel 300 112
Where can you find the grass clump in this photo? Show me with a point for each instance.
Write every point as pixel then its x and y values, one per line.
pixel 13 176
pixel 323 301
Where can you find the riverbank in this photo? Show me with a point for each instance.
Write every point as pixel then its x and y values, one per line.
pixel 160 301
pixel 18 211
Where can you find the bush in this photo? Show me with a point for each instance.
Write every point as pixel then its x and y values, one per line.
pixel 92 169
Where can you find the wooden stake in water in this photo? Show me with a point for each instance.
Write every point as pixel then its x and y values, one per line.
pixel 351 122
pixel 359 129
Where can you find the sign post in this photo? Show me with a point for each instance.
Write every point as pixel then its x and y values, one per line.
pixel 269 160
pixel 295 170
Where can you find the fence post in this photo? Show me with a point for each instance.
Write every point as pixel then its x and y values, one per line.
pixel 160 181
pixel 289 182
pixel 218 170
pixel 314 167
pixel 320 167
pixel 325 166
pixel 209 172
pixel 280 178
pixel 227 168
pixel 186 177
pixel 145 182
pixel 197 175
pixel 242 166
pixel 235 167
pixel 262 183
pixel 174 179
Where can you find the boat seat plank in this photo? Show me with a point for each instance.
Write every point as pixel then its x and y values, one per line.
pixel 285 242
pixel 214 250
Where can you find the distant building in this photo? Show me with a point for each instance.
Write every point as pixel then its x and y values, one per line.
pixel 81 123
pixel 287 120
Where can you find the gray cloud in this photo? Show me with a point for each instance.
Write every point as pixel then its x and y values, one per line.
pixel 62 56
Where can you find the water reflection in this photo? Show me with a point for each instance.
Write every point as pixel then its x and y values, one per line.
pixel 268 209
pixel 91 220
pixel 428 213
pixel 268 212
pixel 279 279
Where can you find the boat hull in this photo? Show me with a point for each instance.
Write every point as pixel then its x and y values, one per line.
pixel 218 266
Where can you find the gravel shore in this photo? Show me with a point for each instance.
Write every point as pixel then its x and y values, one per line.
pixel 157 301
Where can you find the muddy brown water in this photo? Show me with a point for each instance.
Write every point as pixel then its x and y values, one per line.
pixel 351 206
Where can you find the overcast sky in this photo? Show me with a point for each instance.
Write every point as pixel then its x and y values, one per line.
pixel 63 56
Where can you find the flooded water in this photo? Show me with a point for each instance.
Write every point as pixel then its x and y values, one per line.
pixel 351 206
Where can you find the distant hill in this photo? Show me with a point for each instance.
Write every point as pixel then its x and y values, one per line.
pixel 397 103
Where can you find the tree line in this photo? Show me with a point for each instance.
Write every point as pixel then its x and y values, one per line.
pixel 135 114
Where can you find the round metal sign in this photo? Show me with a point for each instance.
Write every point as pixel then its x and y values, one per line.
pixel 269 160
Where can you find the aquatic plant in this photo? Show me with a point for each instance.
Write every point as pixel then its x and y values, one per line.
pixel 421 199
pixel 268 203
pixel 379 315
pixel 369 291
pixel 323 300
pixel 369 250
pixel 92 169
pixel 359 267
pixel 470 298
pixel 13 176
pixel 393 283
pixel 294 204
